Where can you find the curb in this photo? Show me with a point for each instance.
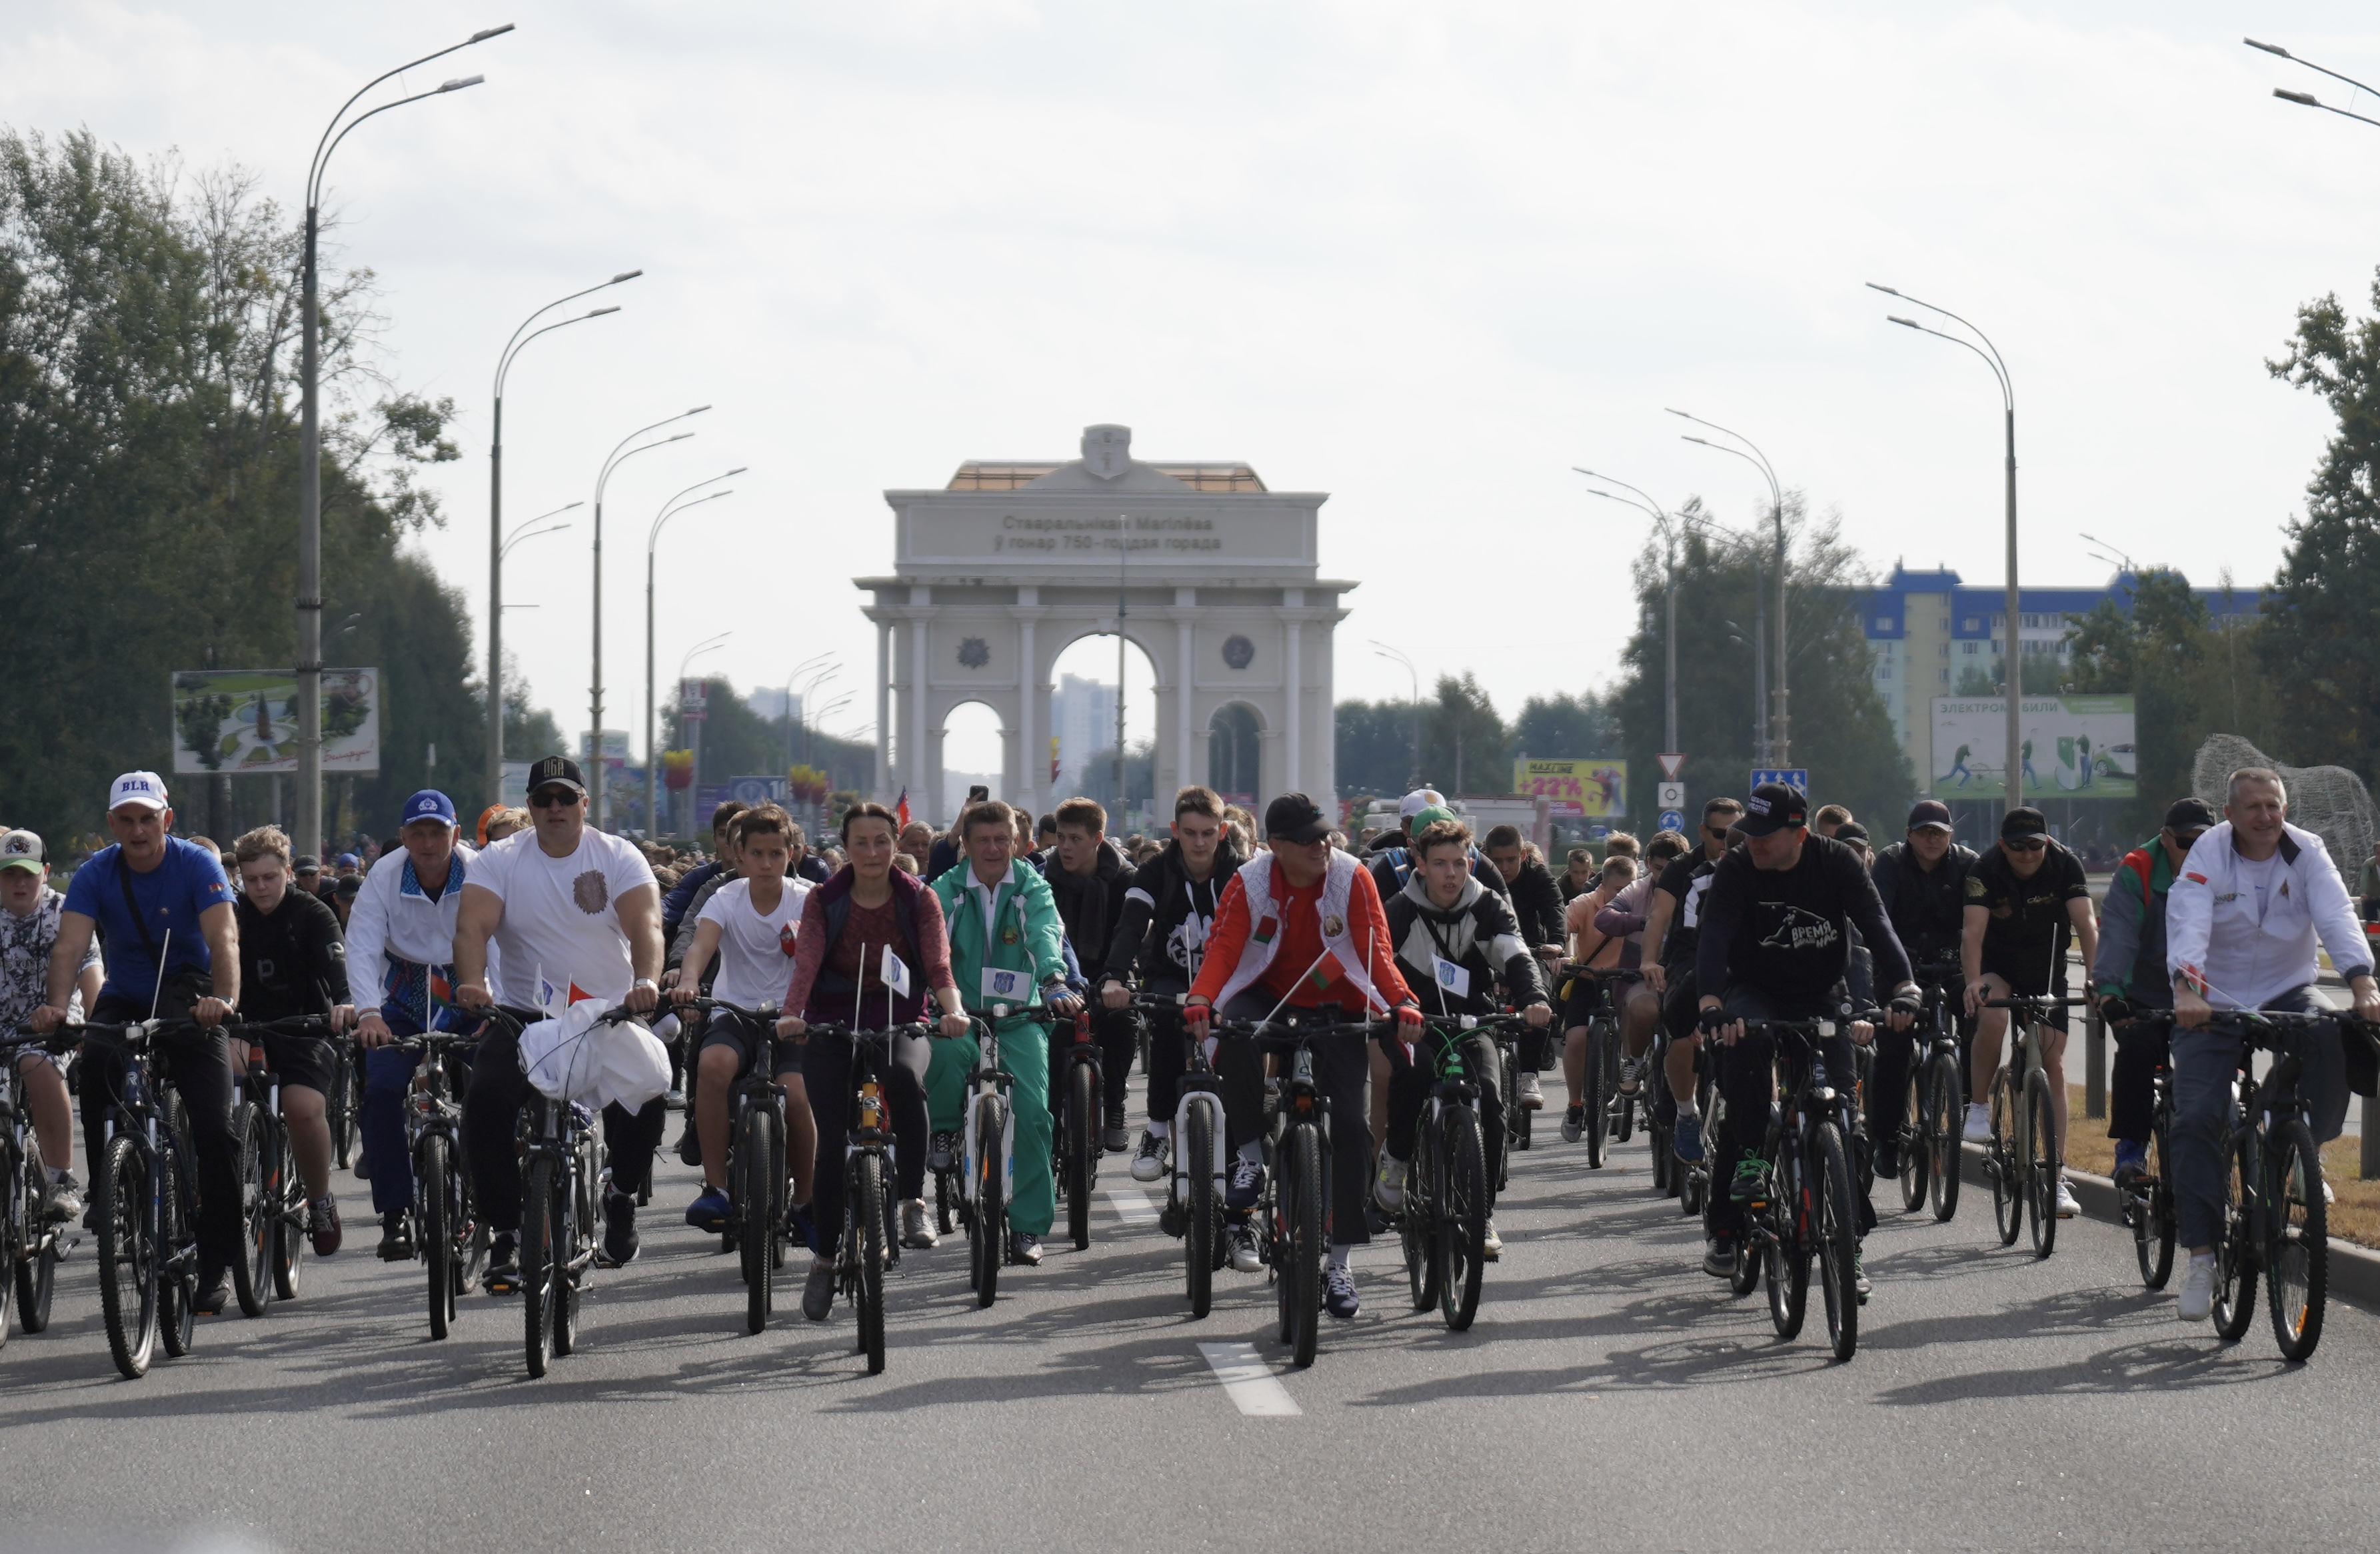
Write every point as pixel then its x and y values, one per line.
pixel 2354 1270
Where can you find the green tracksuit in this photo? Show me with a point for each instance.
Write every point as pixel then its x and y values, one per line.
pixel 1025 936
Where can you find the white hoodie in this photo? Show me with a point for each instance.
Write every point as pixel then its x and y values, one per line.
pixel 2243 955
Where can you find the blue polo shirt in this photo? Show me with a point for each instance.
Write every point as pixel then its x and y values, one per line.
pixel 186 882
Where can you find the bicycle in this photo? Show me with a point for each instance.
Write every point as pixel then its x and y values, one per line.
pixel 1805 1207
pixel 869 1245
pixel 1079 1141
pixel 2022 1160
pixel 1444 1222
pixel 759 1191
pixel 31 1242
pixel 146 1205
pixel 2144 1196
pixel 1609 1111
pixel 271 1192
pixel 1194 1206
pixel 988 1150
pixel 1934 1105
pixel 448 1234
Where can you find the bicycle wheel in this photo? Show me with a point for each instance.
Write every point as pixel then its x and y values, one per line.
pixel 945 1201
pixel 1301 1214
pixel 1623 1120
pixel 343 1101
pixel 289 1243
pixel 2235 1260
pixel 867 1216
pixel 1788 1250
pixel 1595 1098
pixel 757 1154
pixel 1515 1119
pixel 1199 1237
pixel 37 1244
pixel 987 1232
pixel 435 1237
pixel 177 1226
pixel 1916 1160
pixel 251 1275
pixel 1461 1235
pixel 2008 1200
pixel 2042 1166
pixel 128 1259
pixel 1417 1221
pixel 1944 1122
pixel 1082 1147
pixel 1837 1222
pixel 542 1259
pixel 2150 1209
pixel 573 1216
pixel 2297 1240
pixel 15 1229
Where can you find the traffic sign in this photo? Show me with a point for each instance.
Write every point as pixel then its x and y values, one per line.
pixel 1672 819
pixel 1792 776
pixel 1671 764
pixel 1670 796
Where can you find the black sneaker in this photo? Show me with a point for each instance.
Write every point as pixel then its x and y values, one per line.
pixel 1118 1137
pixel 1751 1179
pixel 503 1275
pixel 818 1292
pixel 1888 1159
pixel 1718 1257
pixel 943 1152
pixel 689 1147
pixel 214 1292
pixel 619 1245
pixel 396 1237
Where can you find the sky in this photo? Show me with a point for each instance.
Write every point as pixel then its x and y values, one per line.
pixel 1424 258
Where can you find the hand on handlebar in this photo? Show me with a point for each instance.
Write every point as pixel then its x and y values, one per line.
pixel 1656 978
pixel 791 1024
pixel 643 998
pixel 1538 1016
pixel 372 1031
pixel 1864 1033
pixel 1065 1005
pixel 1715 1022
pixel 474 995
pixel 1115 995
pixel 2189 1010
pixel 210 1011
pixel 954 1024
pixel 1408 1018
pixel 45 1019
pixel 1197 1015
pixel 680 996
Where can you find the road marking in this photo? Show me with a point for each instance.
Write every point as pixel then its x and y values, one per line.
pixel 1248 1380
pixel 1132 1205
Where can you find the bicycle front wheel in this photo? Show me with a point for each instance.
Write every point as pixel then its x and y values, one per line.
pixel 1461 1241
pixel 988 1227
pixel 252 1276
pixel 2150 1209
pixel 1916 1160
pixel 288 1223
pixel 436 1241
pixel 1301 1215
pixel 2041 1165
pixel 2297 1240
pixel 1597 1096
pixel 1788 1250
pixel 1837 1223
pixel 128 1259
pixel 343 1100
pixel 542 1256
pixel 756 1155
pixel 868 1226
pixel 1944 1122
pixel 2235 1253
pixel 2007 1195
pixel 1199 1239
pixel 177 1226
pixel 37 1244
pixel 1082 1147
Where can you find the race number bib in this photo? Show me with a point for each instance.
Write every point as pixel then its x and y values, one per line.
pixel 1007 986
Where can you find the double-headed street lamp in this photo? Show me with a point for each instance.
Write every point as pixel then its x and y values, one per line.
pixel 309 441
pixel 2307 99
pixel 617 456
pixel 670 509
pixel 708 645
pixel 1780 739
pixel 497 546
pixel 1661 515
pixel 2015 660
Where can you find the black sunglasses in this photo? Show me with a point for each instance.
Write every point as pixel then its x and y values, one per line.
pixel 553 799
pixel 2029 845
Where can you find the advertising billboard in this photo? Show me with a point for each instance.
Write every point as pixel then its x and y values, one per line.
pixel 245 720
pixel 1574 789
pixel 2070 746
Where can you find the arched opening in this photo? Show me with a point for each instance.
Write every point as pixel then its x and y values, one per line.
pixel 974 751
pixel 1083 749
pixel 1234 752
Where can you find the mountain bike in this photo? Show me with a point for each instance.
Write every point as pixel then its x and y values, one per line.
pixel 146 1204
pixel 2022 1160
pixel 869 1245
pixel 1443 1224
pixel 31 1242
pixel 759 1191
pixel 271 1192
pixel 1194 1207
pixel 1080 1144
pixel 448 1234
pixel 1806 1208
pixel 988 1149
pixel 1610 1114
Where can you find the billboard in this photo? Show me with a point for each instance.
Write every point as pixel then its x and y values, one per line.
pixel 2070 747
pixel 1574 789
pixel 245 720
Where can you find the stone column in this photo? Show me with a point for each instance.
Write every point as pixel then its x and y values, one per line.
pixel 1032 739
pixel 914 761
pixel 1292 762
pixel 883 710
pixel 1186 606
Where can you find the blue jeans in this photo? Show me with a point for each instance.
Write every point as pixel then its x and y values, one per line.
pixel 2204 1110
pixel 380 1126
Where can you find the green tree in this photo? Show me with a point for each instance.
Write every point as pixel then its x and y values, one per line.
pixel 1463 746
pixel 1559 726
pixel 1373 745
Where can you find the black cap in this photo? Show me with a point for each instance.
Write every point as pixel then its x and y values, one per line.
pixel 1928 812
pixel 1295 817
pixel 352 885
pixel 309 866
pixel 2023 822
pixel 557 769
pixel 1851 830
pixel 2188 815
pixel 1772 807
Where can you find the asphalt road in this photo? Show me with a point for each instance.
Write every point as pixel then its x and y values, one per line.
pixel 1609 1392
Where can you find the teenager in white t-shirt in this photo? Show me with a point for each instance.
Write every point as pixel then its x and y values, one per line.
pixel 750 924
pixel 578 915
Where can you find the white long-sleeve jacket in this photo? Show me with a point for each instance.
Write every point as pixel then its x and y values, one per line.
pixel 395 925
pixel 2213 935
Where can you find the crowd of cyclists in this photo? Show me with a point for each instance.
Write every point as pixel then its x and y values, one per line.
pixel 1771 982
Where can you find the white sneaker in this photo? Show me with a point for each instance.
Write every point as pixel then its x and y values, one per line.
pixel 1491 1246
pixel 1526 1090
pixel 2067 1206
pixel 2197 1290
pixel 1243 1244
pixel 1389 1187
pixel 1632 1076
pixel 1979 1123
pixel 2328 1198
pixel 1148 1165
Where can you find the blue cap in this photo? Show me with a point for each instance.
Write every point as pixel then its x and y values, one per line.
pixel 348 860
pixel 428 805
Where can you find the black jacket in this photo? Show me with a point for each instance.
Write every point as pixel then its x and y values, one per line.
pixel 1090 905
pixel 1478 934
pixel 292 961
pixel 1927 909
pixel 1537 902
pixel 1149 935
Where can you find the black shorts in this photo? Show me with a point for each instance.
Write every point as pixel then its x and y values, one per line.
pixel 2027 970
pixel 1682 1010
pixel 723 1029
pixel 303 1061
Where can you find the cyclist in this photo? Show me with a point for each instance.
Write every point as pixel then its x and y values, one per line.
pixel 2255 897
pixel 751 925
pixel 1537 902
pixel 578 915
pixel 1087 877
pixel 1168 912
pixel 1923 881
pixel 1774 945
pixel 1672 933
pixel 2131 967
pixel 1625 917
pixel 29 928
pixel 1302 927
pixel 849 924
pixel 164 907
pixel 2023 899
pixel 293 961
pixel 1578 874
pixel 1458 940
pixel 400 958
pixel 1002 917
pixel 1590 950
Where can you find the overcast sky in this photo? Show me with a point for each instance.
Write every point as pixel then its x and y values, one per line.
pixel 1424 258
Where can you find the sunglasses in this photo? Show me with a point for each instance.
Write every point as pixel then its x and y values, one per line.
pixel 553 799
pixel 2030 844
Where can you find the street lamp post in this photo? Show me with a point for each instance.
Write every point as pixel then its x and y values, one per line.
pixel 819 674
pixel 1781 742
pixel 497 545
pixel 309 443
pixel 670 509
pixel 2307 99
pixel 1384 651
pixel 2014 656
pixel 1661 517
pixel 618 455
pixel 694 771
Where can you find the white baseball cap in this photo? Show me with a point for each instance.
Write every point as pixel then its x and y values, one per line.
pixel 1418 801
pixel 22 849
pixel 144 788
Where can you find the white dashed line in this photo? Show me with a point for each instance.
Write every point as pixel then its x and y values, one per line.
pixel 1248 1380
pixel 1132 1205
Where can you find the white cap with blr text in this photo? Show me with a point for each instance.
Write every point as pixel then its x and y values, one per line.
pixel 144 788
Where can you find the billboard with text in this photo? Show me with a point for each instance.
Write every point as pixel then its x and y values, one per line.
pixel 2069 746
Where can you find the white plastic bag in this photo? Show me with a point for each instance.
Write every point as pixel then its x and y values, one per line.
pixel 569 1056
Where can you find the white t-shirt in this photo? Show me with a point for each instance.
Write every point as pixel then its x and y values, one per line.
pixel 559 937
pixel 756 949
pixel 2259 878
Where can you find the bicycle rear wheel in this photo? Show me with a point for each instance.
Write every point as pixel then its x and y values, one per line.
pixel 2043 1169
pixel 343 1100
pixel 1916 1160
pixel 435 1242
pixel 542 1259
pixel 988 1227
pixel 757 1157
pixel 289 1245
pixel 1082 1147
pixel 2150 1209
pixel 1199 1239
pixel 867 1222
pixel 252 1276
pixel 1596 1096
pixel 15 1229
pixel 128 1259
pixel 1623 1119
pixel 176 1226
pixel 2235 1253
pixel 1944 1122
pixel 36 1260
pixel 1788 1252
pixel 1301 1220
pixel 1461 1241
pixel 2297 1241
pixel 1837 1223
pixel 2007 1199
pixel 1417 1221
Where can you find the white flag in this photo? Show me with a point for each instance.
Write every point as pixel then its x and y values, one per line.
pixel 895 972
pixel 1451 977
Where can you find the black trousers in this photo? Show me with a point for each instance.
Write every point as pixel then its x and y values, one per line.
pixel 1887 1090
pixel 2131 1086
pixel 492 1121
pixel 1748 1076
pixel 199 1062
pixel 1167 1058
pixel 826 1073
pixel 1409 1087
pixel 1343 1072
pixel 1117 1037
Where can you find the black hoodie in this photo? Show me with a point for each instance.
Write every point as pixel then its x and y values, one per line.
pixel 1149 934
pixel 1089 905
